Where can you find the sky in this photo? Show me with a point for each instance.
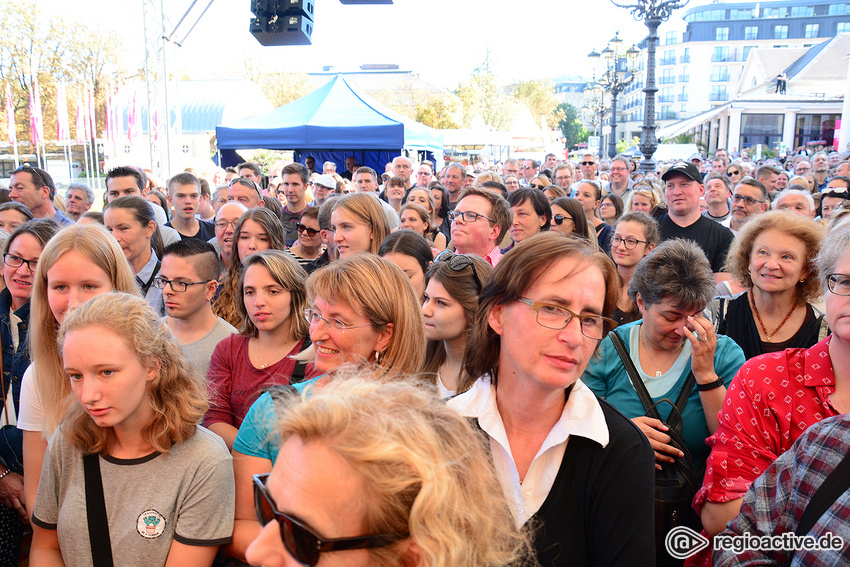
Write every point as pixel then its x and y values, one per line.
pixel 441 40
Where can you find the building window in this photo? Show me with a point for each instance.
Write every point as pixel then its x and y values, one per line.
pixel 842 27
pixel 684 96
pixel 764 129
pixel 747 49
pixel 671 38
pixel 780 32
pixel 839 9
pixel 818 128
pixel 686 56
pixel 668 76
pixel 802 11
pixel 720 74
pixel 720 55
pixel 669 57
pixel 721 34
pixel 812 30
pixel 685 76
pixel 718 93
pixel 774 12
pixel 667 94
pixel 741 14
pixel 751 32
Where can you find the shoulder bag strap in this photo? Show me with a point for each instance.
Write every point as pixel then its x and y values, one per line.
pixel 687 388
pixel 101 548
pixel 300 365
pixel 638 384
pixel 149 283
pixel 832 487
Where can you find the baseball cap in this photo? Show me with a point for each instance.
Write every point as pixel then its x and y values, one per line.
pixel 687 169
pixel 325 181
pixel 696 156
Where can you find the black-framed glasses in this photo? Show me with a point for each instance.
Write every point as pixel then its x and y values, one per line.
pixel 467 216
pixel 559 219
pixel 300 541
pixel 14 261
pixel 750 201
pixel 839 284
pixel 176 285
pixel 42 182
pixel 630 242
pixel 313 317
pixel 587 163
pixel 310 231
pixel 458 263
pixel 555 317
pixel 223 224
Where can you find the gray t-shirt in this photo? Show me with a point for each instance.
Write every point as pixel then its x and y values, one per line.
pixel 186 495
pixel 199 353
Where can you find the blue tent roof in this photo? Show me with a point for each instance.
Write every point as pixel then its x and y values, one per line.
pixel 333 117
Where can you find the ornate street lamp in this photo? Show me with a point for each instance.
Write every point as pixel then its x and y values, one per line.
pixel 618 72
pixel 653 13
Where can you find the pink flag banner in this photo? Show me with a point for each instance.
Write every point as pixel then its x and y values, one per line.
pixel 33 119
pixel 133 119
pixel 39 117
pixel 92 113
pixel 63 127
pixel 81 122
pixel 10 116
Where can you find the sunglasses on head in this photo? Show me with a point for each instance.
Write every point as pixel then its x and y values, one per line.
pixel 458 263
pixel 300 541
pixel 310 231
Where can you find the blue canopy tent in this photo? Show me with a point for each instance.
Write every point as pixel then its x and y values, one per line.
pixel 331 123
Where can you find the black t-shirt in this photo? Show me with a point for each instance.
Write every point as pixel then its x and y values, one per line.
pixel 713 238
pixel 206 230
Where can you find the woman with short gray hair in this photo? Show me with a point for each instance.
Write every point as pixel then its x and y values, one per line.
pixel 671 287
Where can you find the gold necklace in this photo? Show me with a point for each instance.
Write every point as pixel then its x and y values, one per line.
pixel 658 372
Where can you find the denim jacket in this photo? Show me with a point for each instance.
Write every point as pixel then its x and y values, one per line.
pixel 15 362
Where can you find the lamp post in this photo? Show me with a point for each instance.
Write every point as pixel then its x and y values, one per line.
pixel 618 72
pixel 653 13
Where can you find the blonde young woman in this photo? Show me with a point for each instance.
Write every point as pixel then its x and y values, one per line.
pixel 80 262
pixel 167 483
pixel 363 313
pixel 416 218
pixel 425 198
pixel 642 199
pixel 359 224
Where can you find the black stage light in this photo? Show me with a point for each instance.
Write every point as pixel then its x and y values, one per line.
pixel 282 30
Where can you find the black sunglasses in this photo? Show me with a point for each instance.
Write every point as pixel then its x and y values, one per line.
pixel 559 219
pixel 588 163
pixel 458 263
pixel 40 182
pixel 310 231
pixel 300 541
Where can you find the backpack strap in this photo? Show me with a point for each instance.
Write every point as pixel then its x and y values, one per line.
pixel 300 365
pixel 827 493
pixel 281 394
pixel 101 547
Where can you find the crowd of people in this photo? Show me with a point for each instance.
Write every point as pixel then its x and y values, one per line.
pixel 466 366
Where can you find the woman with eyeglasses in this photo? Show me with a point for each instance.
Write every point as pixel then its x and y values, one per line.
pixel 611 208
pixel 452 286
pixel 273 298
pixel 777 396
pixel 570 465
pixel 258 229
pixel 735 172
pixel 568 219
pixel 20 258
pixel 77 264
pixel 363 313
pixel 130 441
pixel 309 245
pixel 421 464
pixel 635 236
pixel 131 222
pixel 773 256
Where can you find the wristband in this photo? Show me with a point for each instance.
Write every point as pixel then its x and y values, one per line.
pixel 701 387
pixel 5 473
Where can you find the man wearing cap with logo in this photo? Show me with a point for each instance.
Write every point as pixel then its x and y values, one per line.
pixel 683 190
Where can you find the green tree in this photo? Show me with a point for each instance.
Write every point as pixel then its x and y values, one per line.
pixel 481 96
pixel 539 96
pixel 571 125
pixel 438 112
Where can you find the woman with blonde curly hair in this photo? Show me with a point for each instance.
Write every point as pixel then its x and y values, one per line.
pixel 643 198
pixel 138 402
pixel 390 466
pixel 363 313
pixel 78 263
pixel 257 229
pixel 359 224
pixel 774 256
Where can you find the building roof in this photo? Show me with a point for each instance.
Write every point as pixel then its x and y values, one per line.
pixel 801 63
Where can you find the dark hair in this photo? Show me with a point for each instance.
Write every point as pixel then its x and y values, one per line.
pixel 296 169
pixel 16 206
pixel 204 257
pixel 726 181
pixel 538 200
pixel 676 269
pixel 650 225
pixel 394 182
pixel 443 212
pixel 368 170
pixel 41 229
pixel 143 213
pixel 96 216
pixel 617 201
pixel 409 243
pixel 46 180
pixel 274 206
pixel 575 210
pixel 127 171
pixel 753 182
pixel 496 186
pixel 163 202
pixel 249 165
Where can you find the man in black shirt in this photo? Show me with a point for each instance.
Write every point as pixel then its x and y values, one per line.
pixel 683 220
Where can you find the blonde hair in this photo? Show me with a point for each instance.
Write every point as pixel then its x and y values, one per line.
pixel 366 209
pixel 177 395
pixel 378 289
pixel 96 245
pixel 425 469
pixel 422 213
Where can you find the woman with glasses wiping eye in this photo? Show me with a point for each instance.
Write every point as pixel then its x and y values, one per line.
pixel 362 312
pixel 380 473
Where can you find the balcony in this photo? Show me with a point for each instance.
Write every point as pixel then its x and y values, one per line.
pixel 684 78
pixel 667 61
pixel 667 115
pixel 718 97
pixel 720 78
pixel 682 98
pixel 667 80
pixel 666 98
pixel 685 59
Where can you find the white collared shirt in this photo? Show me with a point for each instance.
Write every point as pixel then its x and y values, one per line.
pixel 582 416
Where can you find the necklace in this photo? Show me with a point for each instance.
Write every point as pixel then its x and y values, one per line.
pixel 658 372
pixel 260 354
pixel 769 336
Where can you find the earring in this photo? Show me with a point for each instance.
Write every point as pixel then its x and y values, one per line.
pixel 803 280
pixel 377 357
